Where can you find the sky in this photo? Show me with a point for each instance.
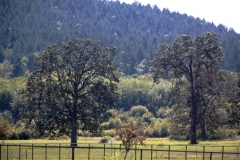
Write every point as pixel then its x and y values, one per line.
pixel 225 12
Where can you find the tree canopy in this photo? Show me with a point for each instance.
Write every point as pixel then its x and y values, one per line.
pixel 71 88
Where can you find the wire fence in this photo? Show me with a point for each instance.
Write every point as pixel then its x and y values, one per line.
pixel 116 152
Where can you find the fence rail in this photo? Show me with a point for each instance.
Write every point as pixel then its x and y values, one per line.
pixel 116 152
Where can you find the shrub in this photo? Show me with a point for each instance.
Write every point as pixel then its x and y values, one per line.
pixel 183 136
pixel 113 112
pixel 221 134
pixel 14 136
pixel 24 135
pixel 149 132
pixel 160 129
pixel 156 132
pixel 124 116
pixel 164 131
pixel 110 133
pixel 84 134
pixel 138 110
pixel 114 122
pixel 147 117
pixel 163 112
pixel 104 139
pixel 4 134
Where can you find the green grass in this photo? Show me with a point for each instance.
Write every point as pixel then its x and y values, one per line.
pixel 160 149
pixel 149 141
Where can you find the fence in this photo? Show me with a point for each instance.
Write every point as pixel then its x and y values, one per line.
pixel 116 152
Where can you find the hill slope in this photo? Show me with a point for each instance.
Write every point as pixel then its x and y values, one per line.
pixel 30 26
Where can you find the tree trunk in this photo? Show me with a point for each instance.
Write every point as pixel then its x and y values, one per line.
pixel 193 127
pixel 203 130
pixel 74 119
pixel 74 132
pixel 194 109
pixel 127 150
pixel 203 125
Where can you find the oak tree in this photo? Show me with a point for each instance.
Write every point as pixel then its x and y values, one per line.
pixel 194 63
pixel 71 88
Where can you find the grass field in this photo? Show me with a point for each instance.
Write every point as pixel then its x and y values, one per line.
pixel 90 148
pixel 149 141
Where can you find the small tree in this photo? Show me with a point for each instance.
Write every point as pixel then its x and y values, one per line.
pixel 130 135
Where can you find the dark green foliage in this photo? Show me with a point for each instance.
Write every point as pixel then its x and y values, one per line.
pixel 14 136
pixel 164 131
pixel 17 69
pixel 5 101
pixel 71 88
pixel 199 87
pixel 24 135
pixel 28 26
pixel 234 110
pixel 104 139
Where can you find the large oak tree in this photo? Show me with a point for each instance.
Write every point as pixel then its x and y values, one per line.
pixel 71 88
pixel 194 65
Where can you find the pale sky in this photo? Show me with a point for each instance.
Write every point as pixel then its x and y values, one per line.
pixel 225 12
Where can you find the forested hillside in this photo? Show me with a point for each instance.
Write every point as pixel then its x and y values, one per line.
pixel 163 108
pixel 28 27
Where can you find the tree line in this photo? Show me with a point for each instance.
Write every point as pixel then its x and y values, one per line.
pixel 29 27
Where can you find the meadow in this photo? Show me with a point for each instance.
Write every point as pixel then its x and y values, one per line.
pixel 90 148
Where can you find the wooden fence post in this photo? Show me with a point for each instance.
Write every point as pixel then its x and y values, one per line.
pixel 151 151
pixel 19 152
pixel 156 153
pixel 45 151
pixel 186 153
pixel 141 155
pixel 196 153
pixel 237 153
pixel 89 151
pixel 222 151
pixel 135 152
pixel 7 151
pixel 104 152
pixel 32 151
pixel 203 152
pixel 169 152
pixel 73 152
pixel 59 151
